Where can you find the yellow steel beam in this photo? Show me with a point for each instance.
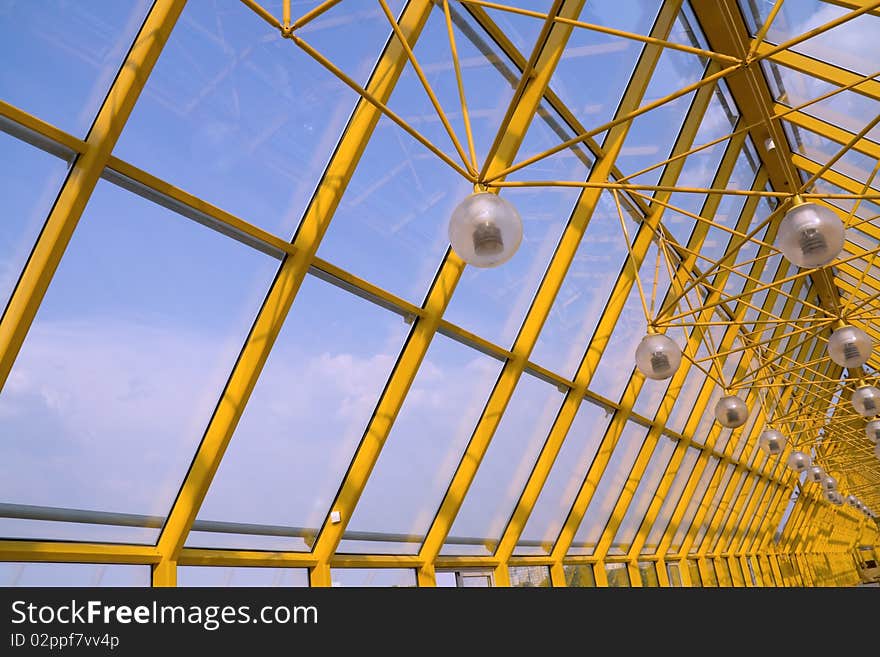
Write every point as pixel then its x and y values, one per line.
pixel 280 297
pixel 829 131
pixel 580 218
pixel 72 552
pixel 547 52
pixel 41 127
pixel 81 180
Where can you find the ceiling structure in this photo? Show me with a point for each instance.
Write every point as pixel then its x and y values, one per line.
pixel 333 388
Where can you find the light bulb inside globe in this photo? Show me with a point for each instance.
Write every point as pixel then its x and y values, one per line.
pixel 731 412
pixel 799 461
pixel 866 401
pixel 658 356
pixel 849 347
pixel 485 230
pixel 815 474
pixel 810 235
pixel 771 441
pixel 872 430
pixel 829 483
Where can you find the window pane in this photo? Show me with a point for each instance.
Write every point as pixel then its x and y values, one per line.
pixel 304 420
pixel 671 500
pixel 608 490
pixel 579 575
pixel 694 570
pixel 530 576
pixel 373 577
pixel 29 182
pixel 72 574
pixel 72 51
pixel 236 576
pixel 674 574
pixel 425 445
pixel 648 573
pixel 562 485
pixel 124 364
pixel 693 504
pixel 509 460
pixel 618 575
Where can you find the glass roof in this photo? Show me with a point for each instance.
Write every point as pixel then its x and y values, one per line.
pixel 235 333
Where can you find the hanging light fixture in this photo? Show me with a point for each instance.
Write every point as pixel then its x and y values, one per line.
pixel 829 483
pixel 771 441
pixel 485 230
pixel 872 430
pixel 834 497
pixel 658 356
pixel 852 501
pixel 815 474
pixel 866 401
pixel 731 412
pixel 849 347
pixel 799 461
pixel 810 235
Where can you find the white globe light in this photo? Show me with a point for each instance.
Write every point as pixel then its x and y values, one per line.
pixel 798 461
pixel 834 497
pixel 731 411
pixel 657 356
pixel 852 501
pixel 485 230
pixel 872 430
pixel 866 401
pixel 849 347
pixel 815 474
pixel 829 483
pixel 810 235
pixel 771 441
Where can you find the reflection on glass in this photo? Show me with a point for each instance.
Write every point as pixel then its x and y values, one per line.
pixel 708 507
pixel 78 46
pixel 508 462
pixel 648 573
pixel 643 495
pixel 694 572
pixel 674 574
pixel 693 503
pixel 305 418
pixel 126 360
pixel 236 114
pixel 618 575
pixel 14 574
pixel 670 500
pixel 425 445
pixel 606 493
pixel 373 577
pixel 722 570
pixel 579 575
pixel 707 570
pixel 236 576
pixel 530 576
pixel 29 182
pixel 562 485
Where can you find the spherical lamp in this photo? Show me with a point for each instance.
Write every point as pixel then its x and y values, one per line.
pixel 485 230
pixel 829 483
pixel 849 347
pixel 771 441
pixel 731 412
pixel 872 430
pixel 658 356
pixel 815 474
pixel 834 497
pixel 852 501
pixel 866 401
pixel 799 461
pixel 810 235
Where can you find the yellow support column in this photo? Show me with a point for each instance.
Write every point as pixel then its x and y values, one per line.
pixel 164 573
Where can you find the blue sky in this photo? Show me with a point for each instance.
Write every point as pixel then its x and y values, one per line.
pixel 147 312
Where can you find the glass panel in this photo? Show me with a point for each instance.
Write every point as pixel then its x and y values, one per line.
pixel 476 581
pixel 608 489
pixel 236 114
pixel 78 46
pixel 125 362
pixel 425 445
pixel 610 59
pixel 373 577
pixel 694 570
pixel 579 575
pixel 693 504
pixel 304 420
pixel 708 507
pixel 674 574
pixel 508 462
pixel 648 573
pixel 562 485
pixel 14 573
pixel 236 576
pixel 671 500
pixel 618 575
pixel 645 491
pixel 686 397
pixel 708 573
pixel 445 579
pixel 584 292
pixel 530 576
pixel 722 571
pixel 29 182
pixel 852 163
